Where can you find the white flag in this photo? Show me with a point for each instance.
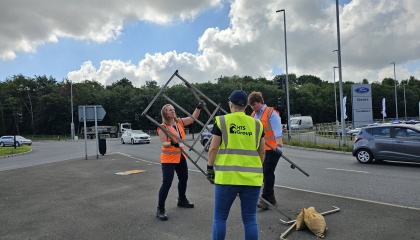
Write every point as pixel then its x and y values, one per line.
pixel 383 108
pixel 344 107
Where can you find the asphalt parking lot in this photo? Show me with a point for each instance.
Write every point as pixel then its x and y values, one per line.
pixel 99 199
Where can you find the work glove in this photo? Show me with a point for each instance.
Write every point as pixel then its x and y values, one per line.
pixel 279 150
pixel 201 104
pixel 175 144
pixel 210 174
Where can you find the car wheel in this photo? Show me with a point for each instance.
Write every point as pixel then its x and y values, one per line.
pixel 364 156
pixel 206 146
pixel 148 142
pixel 122 141
pixel 132 141
pixel 17 144
pixel 1 144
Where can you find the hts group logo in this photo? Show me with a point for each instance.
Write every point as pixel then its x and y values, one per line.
pixel 236 129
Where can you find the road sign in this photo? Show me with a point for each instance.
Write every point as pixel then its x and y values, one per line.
pixel 90 113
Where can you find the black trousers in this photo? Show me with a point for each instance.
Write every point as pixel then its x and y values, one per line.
pixel 168 172
pixel 269 166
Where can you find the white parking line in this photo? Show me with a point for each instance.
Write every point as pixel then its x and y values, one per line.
pixel 347 170
pixel 351 198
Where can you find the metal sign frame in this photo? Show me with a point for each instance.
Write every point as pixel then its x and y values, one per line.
pixel 198 95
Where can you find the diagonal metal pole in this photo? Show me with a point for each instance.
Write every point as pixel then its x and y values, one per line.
pixel 171 135
pixel 271 205
pixel 293 166
pixel 159 93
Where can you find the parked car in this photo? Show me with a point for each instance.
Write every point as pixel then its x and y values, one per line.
pixel 396 142
pixel 135 136
pixel 355 131
pixel 8 141
pixel 205 137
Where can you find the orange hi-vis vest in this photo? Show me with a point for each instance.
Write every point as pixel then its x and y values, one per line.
pixel 268 131
pixel 172 154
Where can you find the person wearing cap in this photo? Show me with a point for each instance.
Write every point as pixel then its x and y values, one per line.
pixel 172 159
pixel 234 165
pixel 273 133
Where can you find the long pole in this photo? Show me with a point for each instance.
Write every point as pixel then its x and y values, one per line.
pixel 343 123
pixel 396 102
pixel 405 104
pixel 71 100
pixel 335 102
pixel 287 75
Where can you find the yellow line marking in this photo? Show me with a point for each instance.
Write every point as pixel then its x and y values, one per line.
pixel 130 172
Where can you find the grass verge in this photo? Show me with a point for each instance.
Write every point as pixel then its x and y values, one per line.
pixel 4 151
pixel 293 142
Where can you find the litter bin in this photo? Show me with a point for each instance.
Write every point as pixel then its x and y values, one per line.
pixel 102 146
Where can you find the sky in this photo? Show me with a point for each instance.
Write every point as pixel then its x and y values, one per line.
pixel 143 40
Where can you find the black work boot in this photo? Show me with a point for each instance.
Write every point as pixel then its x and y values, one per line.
pixel 273 201
pixel 161 214
pixel 184 203
pixel 263 205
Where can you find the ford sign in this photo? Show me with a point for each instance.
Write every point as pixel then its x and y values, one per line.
pixel 362 90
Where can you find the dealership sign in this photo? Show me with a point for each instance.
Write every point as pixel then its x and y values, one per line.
pixel 361 104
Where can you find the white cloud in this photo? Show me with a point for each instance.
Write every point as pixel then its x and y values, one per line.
pixel 25 24
pixel 373 34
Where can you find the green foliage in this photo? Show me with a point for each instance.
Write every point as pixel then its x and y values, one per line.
pixel 5 151
pixel 45 103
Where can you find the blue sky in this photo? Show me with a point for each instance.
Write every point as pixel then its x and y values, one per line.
pixel 204 39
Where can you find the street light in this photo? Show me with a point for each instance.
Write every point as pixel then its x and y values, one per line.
pixel 287 76
pixel 335 102
pixel 396 103
pixel 71 100
pixel 405 104
pixel 343 134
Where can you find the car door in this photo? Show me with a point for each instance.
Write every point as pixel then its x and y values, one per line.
pixel 8 141
pixel 381 143
pixel 406 144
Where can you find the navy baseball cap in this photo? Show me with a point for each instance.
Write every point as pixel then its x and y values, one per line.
pixel 239 97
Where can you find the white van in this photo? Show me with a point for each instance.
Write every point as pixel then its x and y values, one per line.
pixel 301 123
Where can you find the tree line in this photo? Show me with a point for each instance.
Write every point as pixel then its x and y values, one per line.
pixel 45 103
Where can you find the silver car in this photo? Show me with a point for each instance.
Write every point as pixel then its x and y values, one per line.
pixel 396 142
pixel 8 141
pixel 135 136
pixel 206 136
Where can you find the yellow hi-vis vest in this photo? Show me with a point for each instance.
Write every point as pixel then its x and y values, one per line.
pixel 237 161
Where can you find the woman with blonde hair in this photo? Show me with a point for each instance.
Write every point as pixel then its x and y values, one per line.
pixel 172 159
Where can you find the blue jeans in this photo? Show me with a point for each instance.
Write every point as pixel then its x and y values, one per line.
pixel 168 171
pixel 224 197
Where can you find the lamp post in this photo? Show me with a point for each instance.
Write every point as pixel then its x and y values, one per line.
pixel 335 102
pixel 287 76
pixel 343 134
pixel 405 104
pixel 396 103
pixel 71 100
